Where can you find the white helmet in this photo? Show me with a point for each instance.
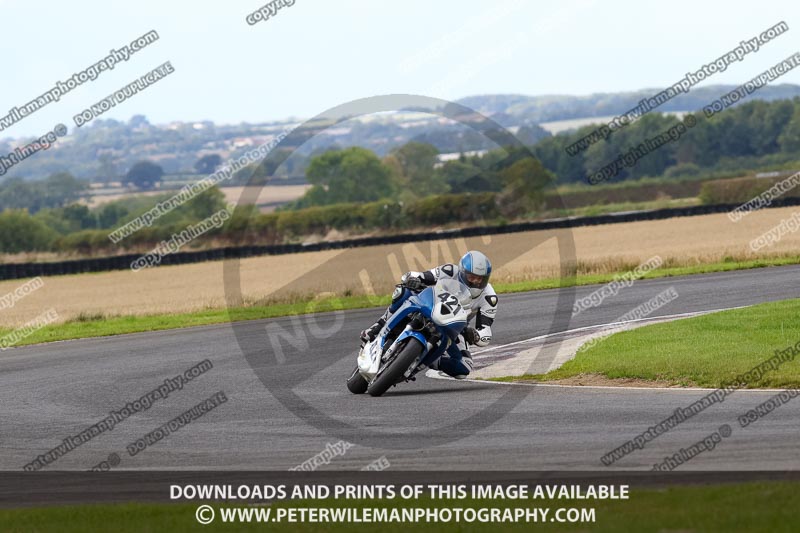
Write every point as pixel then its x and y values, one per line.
pixel 474 270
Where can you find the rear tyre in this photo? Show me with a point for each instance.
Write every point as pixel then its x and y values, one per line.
pixel 357 384
pixel 396 368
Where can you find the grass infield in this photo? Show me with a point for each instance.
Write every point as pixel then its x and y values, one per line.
pixel 704 351
pixel 750 507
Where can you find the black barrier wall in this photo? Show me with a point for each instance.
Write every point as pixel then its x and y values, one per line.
pixel 122 262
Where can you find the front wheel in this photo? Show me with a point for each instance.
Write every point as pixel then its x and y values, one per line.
pixel 396 368
pixel 356 383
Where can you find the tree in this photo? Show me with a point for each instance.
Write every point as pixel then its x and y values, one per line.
pixel 530 134
pixel 464 177
pixel 417 161
pixel 79 217
pixel 552 152
pixel 525 181
pixel 57 190
pixel 789 139
pixel 269 167
pixel 768 119
pixel 16 193
pixel 107 170
pixel 62 188
pixel 204 204
pixel 138 121
pixel 208 164
pixel 111 214
pixel 143 175
pixel 19 232
pixel 350 175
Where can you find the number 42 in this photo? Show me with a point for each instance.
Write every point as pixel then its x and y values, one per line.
pixel 451 300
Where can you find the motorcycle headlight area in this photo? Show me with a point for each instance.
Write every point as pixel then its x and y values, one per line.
pixel 424 325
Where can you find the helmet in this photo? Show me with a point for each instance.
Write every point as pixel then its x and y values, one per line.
pixel 474 270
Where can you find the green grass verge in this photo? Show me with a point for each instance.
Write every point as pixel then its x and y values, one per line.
pixel 603 209
pixel 750 507
pixel 99 326
pixel 708 350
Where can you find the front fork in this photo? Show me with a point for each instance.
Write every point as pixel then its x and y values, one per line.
pixel 429 354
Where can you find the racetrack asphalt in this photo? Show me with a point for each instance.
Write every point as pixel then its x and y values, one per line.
pixel 52 391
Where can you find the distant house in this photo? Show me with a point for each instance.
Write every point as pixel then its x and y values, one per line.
pixel 444 158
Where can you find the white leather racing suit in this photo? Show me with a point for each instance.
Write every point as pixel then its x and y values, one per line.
pixel 483 310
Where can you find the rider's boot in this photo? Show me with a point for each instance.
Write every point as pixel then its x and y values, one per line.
pixel 398 297
pixel 369 334
pixel 458 368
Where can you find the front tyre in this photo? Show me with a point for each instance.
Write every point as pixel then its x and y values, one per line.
pixel 396 368
pixel 356 383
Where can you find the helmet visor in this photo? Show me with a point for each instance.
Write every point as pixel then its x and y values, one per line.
pixel 474 281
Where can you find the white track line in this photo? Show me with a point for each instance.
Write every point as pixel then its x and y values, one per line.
pixel 431 373
pixel 436 375
pixel 596 326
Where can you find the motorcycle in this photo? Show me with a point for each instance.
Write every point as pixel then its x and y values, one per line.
pixel 414 337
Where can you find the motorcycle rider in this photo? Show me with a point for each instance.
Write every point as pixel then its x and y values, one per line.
pixel 473 270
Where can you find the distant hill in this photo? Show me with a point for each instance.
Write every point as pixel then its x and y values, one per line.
pixel 548 108
pixel 105 149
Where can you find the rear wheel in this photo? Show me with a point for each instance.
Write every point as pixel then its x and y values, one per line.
pixel 356 383
pixel 395 368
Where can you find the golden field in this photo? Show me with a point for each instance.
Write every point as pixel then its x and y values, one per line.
pixel 266 194
pixel 520 256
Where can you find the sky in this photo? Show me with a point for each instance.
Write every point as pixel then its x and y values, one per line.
pixel 317 54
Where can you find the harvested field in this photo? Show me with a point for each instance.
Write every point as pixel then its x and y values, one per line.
pixel 268 194
pixel 600 249
pixel 98 200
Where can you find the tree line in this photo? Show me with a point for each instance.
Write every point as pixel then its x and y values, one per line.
pixel 748 136
pixel 354 188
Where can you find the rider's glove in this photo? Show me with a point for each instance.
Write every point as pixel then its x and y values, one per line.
pixel 413 283
pixel 471 335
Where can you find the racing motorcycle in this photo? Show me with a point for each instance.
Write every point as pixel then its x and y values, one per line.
pixel 413 338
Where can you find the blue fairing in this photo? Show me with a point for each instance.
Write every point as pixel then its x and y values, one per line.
pixel 417 335
pixel 453 329
pixel 413 302
pixel 427 357
pixel 422 302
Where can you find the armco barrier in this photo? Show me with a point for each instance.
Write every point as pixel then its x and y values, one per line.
pixel 122 262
